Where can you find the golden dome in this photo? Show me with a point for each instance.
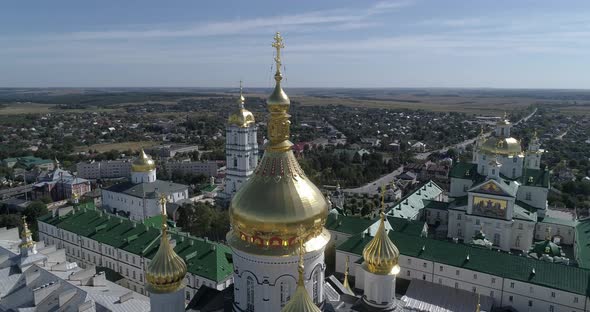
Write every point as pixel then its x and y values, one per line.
pixel 501 146
pixel 143 163
pixel 166 271
pixel 381 255
pixel 278 203
pixel 241 117
pixel 300 301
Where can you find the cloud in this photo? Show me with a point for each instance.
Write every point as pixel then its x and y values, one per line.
pixel 337 19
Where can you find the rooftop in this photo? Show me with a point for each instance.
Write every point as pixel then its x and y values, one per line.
pixel 519 268
pixel 204 258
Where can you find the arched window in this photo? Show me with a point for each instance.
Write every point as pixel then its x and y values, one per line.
pixel 250 294
pixel 285 293
pixel 513 172
pixel 316 290
pixel 235 162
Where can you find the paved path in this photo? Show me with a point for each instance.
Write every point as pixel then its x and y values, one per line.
pixel 371 187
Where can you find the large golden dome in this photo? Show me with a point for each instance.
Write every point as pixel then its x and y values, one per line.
pixel 501 146
pixel 241 117
pixel 278 204
pixel 381 255
pixel 167 270
pixel 143 163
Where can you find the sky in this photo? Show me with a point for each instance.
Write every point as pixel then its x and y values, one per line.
pixel 332 43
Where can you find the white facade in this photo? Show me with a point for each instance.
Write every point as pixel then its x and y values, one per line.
pixel 506 292
pixel 241 154
pixel 206 168
pixel 138 208
pixel 132 267
pixel 104 169
pixel 267 282
pixel 143 177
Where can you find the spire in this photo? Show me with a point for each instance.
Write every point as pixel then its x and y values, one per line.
pixel 166 271
pixel 346 270
pixel 381 255
pixel 26 235
pixel 241 99
pixel 300 302
pixel 278 105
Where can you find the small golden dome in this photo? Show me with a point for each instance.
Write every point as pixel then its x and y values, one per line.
pixel 241 117
pixel 278 203
pixel 381 255
pixel 501 146
pixel 143 163
pixel 300 301
pixel 166 271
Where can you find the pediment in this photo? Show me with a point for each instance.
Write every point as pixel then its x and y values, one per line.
pixel 491 187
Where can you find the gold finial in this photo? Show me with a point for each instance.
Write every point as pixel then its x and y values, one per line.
pixel 346 284
pixel 278 44
pixel 166 271
pixel 481 131
pixel 241 99
pixel 478 303
pixel 505 115
pixel 300 301
pixel 278 104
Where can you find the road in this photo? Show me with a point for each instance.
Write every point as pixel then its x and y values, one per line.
pixel 422 156
pixel 371 187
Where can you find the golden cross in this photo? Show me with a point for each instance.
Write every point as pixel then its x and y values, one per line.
pixel 278 44
pixel 163 201
pixel 240 88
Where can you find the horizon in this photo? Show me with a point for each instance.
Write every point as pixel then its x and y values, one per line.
pixel 403 44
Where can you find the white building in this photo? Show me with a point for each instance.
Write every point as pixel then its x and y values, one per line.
pixel 241 148
pixel 106 169
pixel 137 199
pixel 94 238
pixel 206 168
pixel 37 277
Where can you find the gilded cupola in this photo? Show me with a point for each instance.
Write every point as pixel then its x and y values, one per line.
pixel 381 255
pixel 278 200
pixel 143 163
pixel 166 271
pixel 300 301
pixel 241 117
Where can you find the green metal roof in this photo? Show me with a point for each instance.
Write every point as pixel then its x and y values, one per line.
pixel 462 170
pixel 557 276
pixel 204 258
pixel 535 177
pixel 433 204
pixel 347 224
